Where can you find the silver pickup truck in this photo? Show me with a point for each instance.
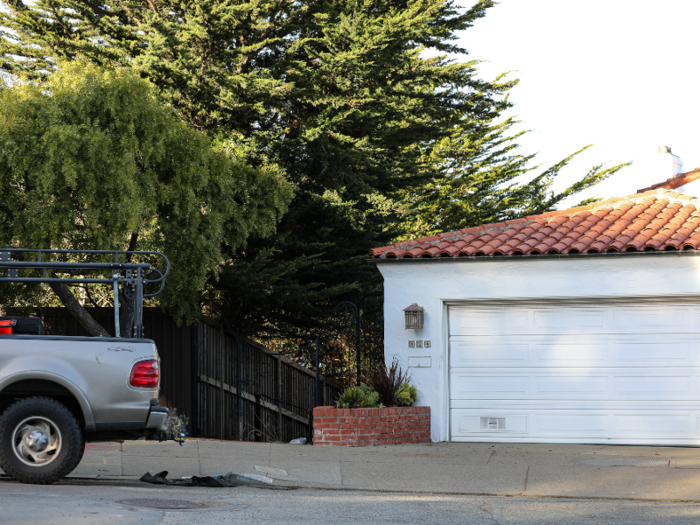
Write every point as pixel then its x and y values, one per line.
pixel 56 393
pixel 59 392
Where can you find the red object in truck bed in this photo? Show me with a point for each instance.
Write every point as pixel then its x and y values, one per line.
pixel 6 326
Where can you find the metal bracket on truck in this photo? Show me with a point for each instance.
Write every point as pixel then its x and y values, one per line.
pixel 132 277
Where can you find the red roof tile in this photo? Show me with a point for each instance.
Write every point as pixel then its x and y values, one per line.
pixel 657 220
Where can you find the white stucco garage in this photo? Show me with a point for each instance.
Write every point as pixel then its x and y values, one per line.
pixel 576 346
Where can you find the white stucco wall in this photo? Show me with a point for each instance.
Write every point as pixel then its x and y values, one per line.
pixel 434 283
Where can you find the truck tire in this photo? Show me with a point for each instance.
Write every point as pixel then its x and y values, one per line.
pixel 40 441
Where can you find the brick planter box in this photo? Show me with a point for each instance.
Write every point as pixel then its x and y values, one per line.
pixel 360 427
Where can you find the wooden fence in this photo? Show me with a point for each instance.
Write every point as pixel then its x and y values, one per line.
pixel 277 394
pixel 205 366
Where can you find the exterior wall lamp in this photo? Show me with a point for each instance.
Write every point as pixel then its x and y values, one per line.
pixel 414 317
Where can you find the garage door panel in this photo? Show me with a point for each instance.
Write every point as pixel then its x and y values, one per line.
pixel 561 352
pixel 542 424
pixel 494 386
pixel 570 386
pixel 592 424
pixel 489 353
pixel 662 353
pixel 488 321
pixel 582 384
pixel 529 386
pixel 584 350
pixel 653 425
pixel 570 320
pixel 478 352
pixel 655 387
pixel 468 423
pixel 655 318
pixel 582 426
pixel 576 406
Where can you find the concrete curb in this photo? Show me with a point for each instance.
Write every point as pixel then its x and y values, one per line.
pixel 474 469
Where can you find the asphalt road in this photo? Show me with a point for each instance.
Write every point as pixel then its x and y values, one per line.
pixel 104 502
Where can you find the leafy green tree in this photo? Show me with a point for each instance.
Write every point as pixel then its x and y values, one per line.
pixel 91 158
pixel 379 140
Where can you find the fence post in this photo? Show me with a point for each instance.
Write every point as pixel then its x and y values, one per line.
pixel 358 350
pixel 258 422
pixel 239 386
pixel 318 372
pixel 195 356
pixel 220 341
pixel 310 427
pixel 279 397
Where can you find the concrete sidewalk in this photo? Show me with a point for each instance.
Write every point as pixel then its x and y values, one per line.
pixel 462 468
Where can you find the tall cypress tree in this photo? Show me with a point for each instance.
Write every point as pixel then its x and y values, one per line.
pixel 379 140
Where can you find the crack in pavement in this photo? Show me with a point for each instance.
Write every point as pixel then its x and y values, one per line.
pixel 493 512
pixel 527 475
pixel 493 453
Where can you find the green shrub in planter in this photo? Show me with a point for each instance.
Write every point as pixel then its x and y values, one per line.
pixel 361 396
pixel 406 395
pixel 392 384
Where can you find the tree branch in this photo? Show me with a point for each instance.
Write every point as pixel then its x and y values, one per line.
pixel 132 245
pixel 87 293
pixel 78 311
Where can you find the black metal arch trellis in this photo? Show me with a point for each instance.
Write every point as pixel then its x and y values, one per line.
pixel 341 308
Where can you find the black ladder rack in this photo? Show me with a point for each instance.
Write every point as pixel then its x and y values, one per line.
pixel 22 265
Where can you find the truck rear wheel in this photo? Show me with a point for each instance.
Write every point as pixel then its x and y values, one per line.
pixel 40 441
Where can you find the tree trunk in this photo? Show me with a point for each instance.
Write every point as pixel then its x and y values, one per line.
pixel 78 311
pixel 127 313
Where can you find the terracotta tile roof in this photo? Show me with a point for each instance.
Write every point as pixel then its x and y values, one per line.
pixel 675 182
pixel 657 220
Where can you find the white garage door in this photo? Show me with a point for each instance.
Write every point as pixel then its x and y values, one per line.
pixel 612 374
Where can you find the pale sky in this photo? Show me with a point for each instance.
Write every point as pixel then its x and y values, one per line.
pixel 620 74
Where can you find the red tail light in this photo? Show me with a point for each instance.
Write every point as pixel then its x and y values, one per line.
pixel 145 374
